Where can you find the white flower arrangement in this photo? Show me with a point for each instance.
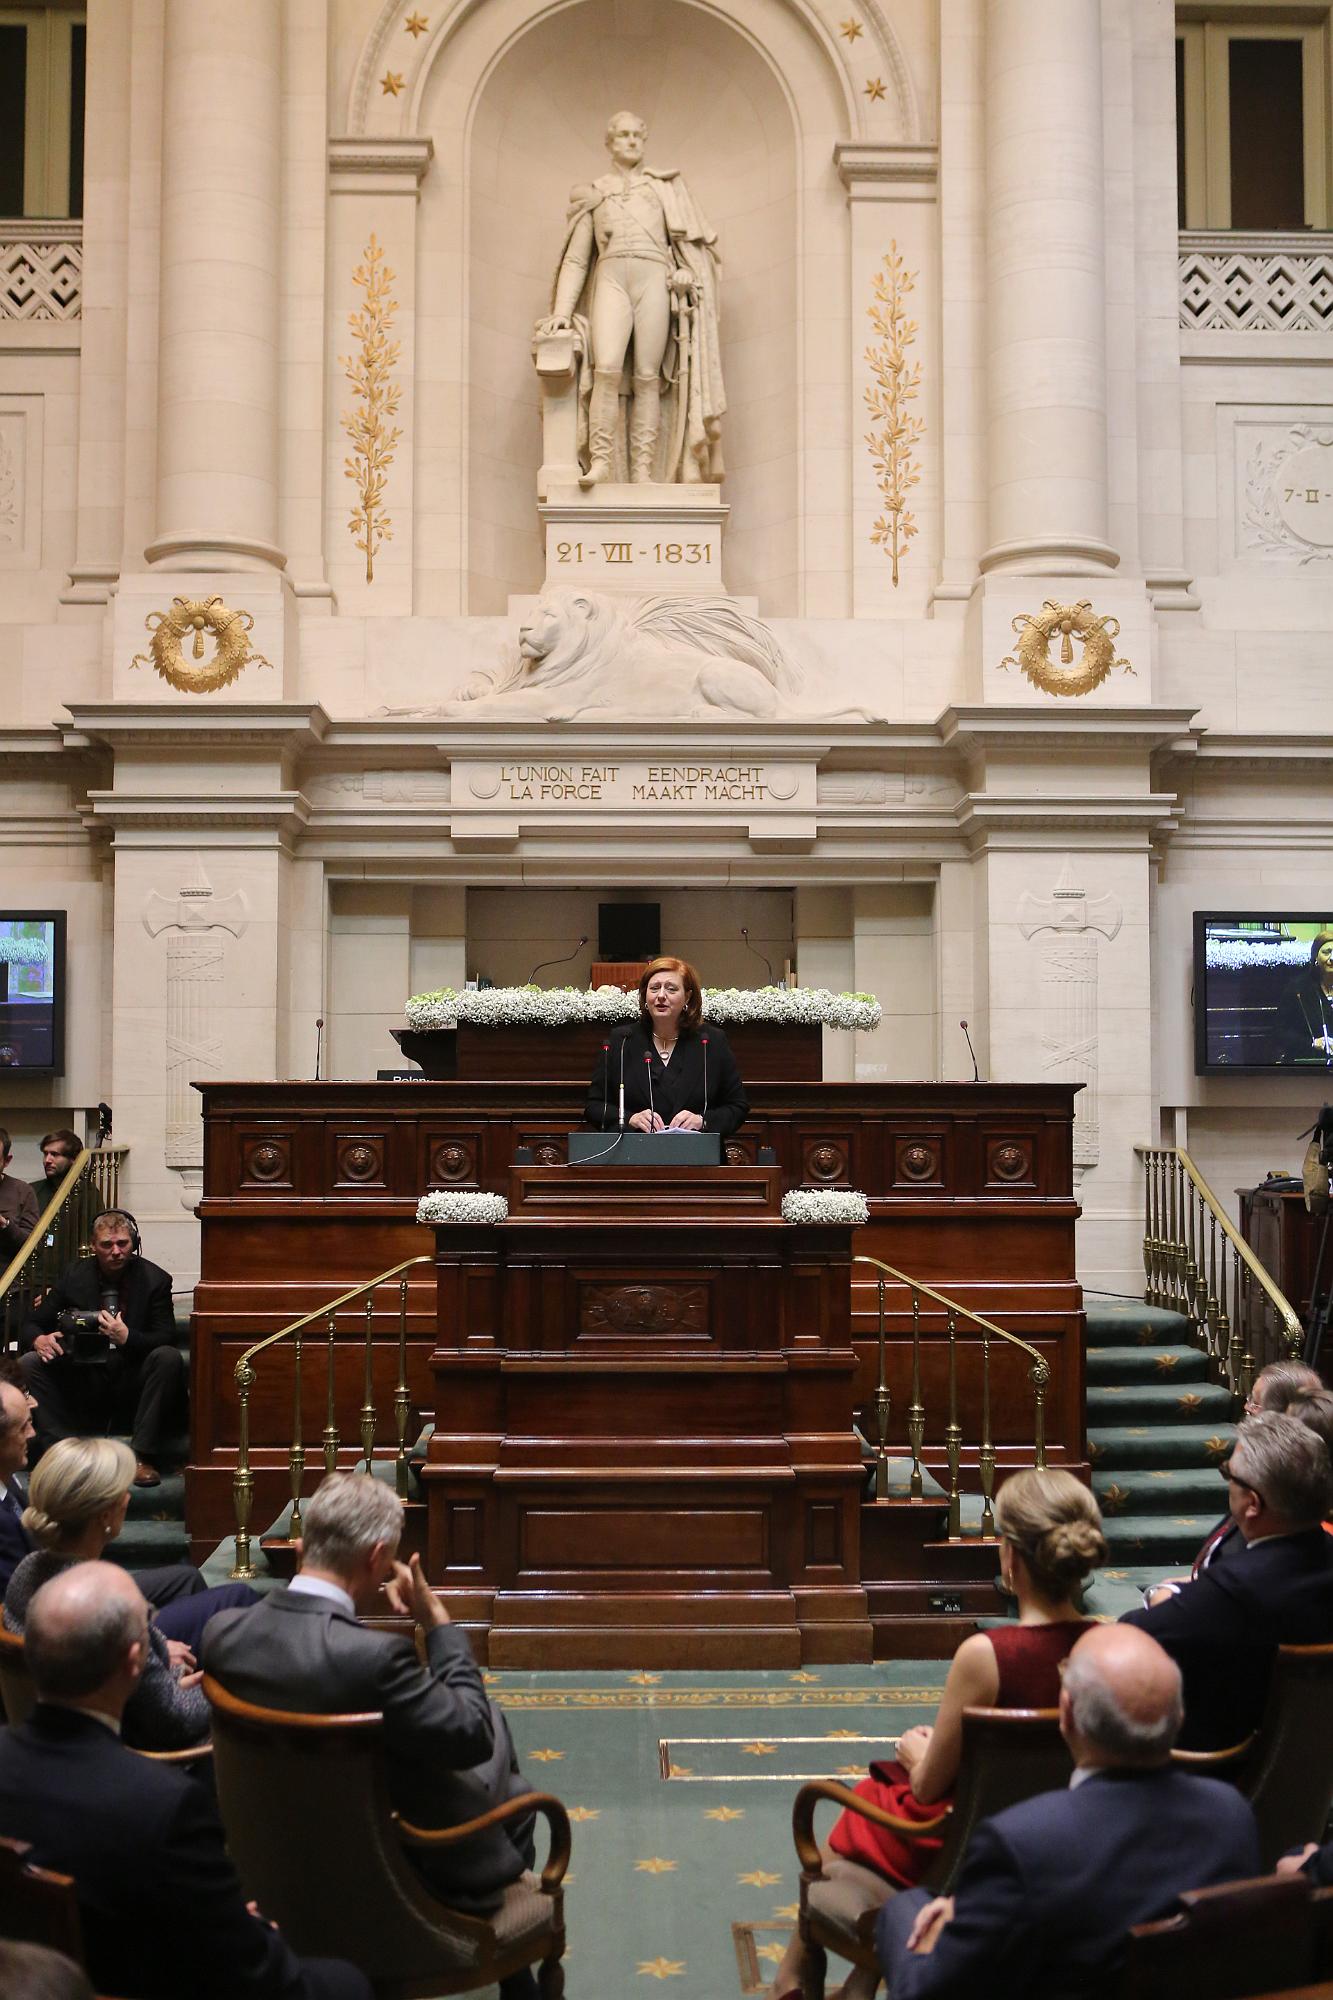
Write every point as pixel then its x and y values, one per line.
pixel 559 1006
pixel 462 1205
pixel 1235 954
pixel 825 1205
pixel 23 951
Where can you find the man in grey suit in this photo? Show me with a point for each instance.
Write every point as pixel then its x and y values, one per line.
pixel 448 1749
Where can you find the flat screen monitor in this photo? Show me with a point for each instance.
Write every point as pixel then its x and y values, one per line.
pixel 32 991
pixel 1263 992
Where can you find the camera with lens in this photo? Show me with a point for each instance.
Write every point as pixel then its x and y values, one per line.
pixel 85 1342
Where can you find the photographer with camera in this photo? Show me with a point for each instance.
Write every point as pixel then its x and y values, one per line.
pixel 99 1351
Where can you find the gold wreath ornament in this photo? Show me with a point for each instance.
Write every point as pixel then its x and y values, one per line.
pixel 230 631
pixel 1071 621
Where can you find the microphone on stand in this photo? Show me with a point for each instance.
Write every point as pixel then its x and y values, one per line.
pixel 758 954
pixel 319 1043
pixel 652 1110
pixel 976 1073
pixel 704 1040
pixel 620 1118
pixel 606 1080
pixel 103 1124
pixel 557 961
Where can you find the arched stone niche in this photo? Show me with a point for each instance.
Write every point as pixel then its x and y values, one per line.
pixel 746 97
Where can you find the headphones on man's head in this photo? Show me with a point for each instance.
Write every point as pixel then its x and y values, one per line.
pixel 136 1242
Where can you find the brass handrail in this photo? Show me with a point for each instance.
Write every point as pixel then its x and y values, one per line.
pixel 61 1232
pixel 243 1484
pixel 1196 1262
pixel 1039 1374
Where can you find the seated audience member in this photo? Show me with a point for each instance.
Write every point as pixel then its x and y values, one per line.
pixel 35 1972
pixel 59 1152
pixel 122 1368
pixel 1050 1540
pixel 77 1500
pixel 15 1437
pixel 1049 1888
pixel 18 1206
pixel 448 1749
pixel 1224 1626
pixel 161 1909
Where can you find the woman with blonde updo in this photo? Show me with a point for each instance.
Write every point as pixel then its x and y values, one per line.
pixel 1050 1533
pixel 78 1494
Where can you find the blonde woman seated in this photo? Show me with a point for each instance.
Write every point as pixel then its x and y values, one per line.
pixel 78 1496
pixel 1050 1533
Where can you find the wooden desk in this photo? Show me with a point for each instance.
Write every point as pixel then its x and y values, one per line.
pixel 1284 1236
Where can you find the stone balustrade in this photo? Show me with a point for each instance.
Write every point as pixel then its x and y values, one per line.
pixel 41 269
pixel 1277 282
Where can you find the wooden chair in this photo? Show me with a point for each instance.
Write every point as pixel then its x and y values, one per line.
pixel 37 1906
pixel 1008 1754
pixel 316 1842
pixel 1238 1939
pixel 1285 1769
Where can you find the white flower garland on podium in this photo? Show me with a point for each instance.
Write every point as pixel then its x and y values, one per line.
pixel 825 1205
pixel 561 1006
pixel 22 951
pixel 462 1205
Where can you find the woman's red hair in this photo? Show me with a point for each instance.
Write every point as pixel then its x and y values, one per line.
pixel 693 1010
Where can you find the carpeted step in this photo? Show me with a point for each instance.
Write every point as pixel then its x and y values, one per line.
pixel 1127 1447
pixel 1189 1402
pixel 1161 1489
pixel 1114 1322
pixel 1146 1364
pixel 144 1544
pixel 154 1503
pixel 1170 1539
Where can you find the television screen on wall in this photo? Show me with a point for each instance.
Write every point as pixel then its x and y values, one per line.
pixel 1263 992
pixel 32 991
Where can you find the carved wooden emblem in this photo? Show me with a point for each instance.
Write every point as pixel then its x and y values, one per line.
pixel 1008 1160
pixel 360 1160
pixel 267 1161
pixel 451 1161
pixel 656 1311
pixel 1071 621
pixel 825 1162
pixel 918 1161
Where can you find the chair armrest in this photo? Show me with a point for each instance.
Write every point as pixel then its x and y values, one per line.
pixel 194 1753
pixel 1204 1761
pixel 812 1795
pixel 545 1803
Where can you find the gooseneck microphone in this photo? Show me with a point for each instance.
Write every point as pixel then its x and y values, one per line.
pixel 704 1040
pixel 976 1073
pixel 620 1115
pixel 758 954
pixel 652 1109
pixel 548 962
pixel 319 1044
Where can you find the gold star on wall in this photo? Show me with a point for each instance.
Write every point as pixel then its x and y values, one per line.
pixel 874 90
pixel 758 1878
pixel 850 28
pixel 655 1865
pixel 661 1968
pixel 416 24
pixel 725 1812
pixel 391 83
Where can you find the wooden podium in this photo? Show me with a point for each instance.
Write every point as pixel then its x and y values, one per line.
pixel 642 1452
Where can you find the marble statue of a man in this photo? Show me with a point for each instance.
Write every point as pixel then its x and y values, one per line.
pixel 637 284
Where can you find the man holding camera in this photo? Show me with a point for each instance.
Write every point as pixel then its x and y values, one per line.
pixel 99 1351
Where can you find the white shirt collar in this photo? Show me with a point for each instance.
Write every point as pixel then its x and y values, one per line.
pixel 320 1586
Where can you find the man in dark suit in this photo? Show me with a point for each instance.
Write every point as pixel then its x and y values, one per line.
pixel 126 1368
pixel 1049 1888
pixel 59 1150
pixel 15 1436
pixel 449 1753
pixel 161 1908
pixel 1224 1627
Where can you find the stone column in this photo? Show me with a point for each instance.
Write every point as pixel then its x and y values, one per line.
pixel 1045 289
pixel 217 498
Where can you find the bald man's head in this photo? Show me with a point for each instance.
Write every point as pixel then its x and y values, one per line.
pixel 80 1629
pixel 1122 1701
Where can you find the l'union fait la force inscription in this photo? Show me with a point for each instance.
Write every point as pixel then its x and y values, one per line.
pixel 688 784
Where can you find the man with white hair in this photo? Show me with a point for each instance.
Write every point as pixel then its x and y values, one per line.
pixel 1049 1888
pixel 448 1749
pixel 161 1909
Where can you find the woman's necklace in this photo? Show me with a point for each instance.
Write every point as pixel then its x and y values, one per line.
pixel 665 1051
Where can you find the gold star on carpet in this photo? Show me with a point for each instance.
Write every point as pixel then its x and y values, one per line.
pixel 1094 1450
pixel 759 1749
pixel 1188 1404
pixel 546 1756
pixel 491 1680
pixel 850 29
pixel 655 1865
pixel 643 1680
pixel 1111 1575
pixel 774 1953
pixel 1165 1473
pixel 680 1770
pixel 391 83
pixel 1113 1500
pixel 758 1878
pixel 581 1813
pixel 1217 1447
pixel 661 1968
pixel 849 1771
pixel 725 1812
pixel 842 1735
pixel 1165 1363
pixel 803 1676
pixel 789 1910
pixel 1140 1433
pixel 874 90
pixel 416 24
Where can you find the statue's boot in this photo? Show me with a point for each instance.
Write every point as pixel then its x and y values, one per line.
pixel 645 421
pixel 603 408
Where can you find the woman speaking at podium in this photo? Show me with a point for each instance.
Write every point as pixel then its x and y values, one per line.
pixel 669 1071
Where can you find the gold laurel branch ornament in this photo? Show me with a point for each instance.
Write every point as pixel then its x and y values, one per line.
pixel 230 631
pixel 1071 621
pixel 369 371
pixel 898 432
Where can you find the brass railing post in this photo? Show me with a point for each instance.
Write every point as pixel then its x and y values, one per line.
pixel 243 1484
pixel 402 1399
pixel 1147 1226
pixel 916 1414
pixel 953 1437
pixel 882 1411
pixel 1040 1376
pixel 986 1455
pixel 296 1457
pixel 331 1407
pixel 368 1413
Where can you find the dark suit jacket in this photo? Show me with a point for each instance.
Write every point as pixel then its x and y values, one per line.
pixel 145 1304
pixel 1049 1888
pixel 677 1085
pixel 162 1910
pixel 1225 1626
pixel 15 1542
pixel 448 1749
